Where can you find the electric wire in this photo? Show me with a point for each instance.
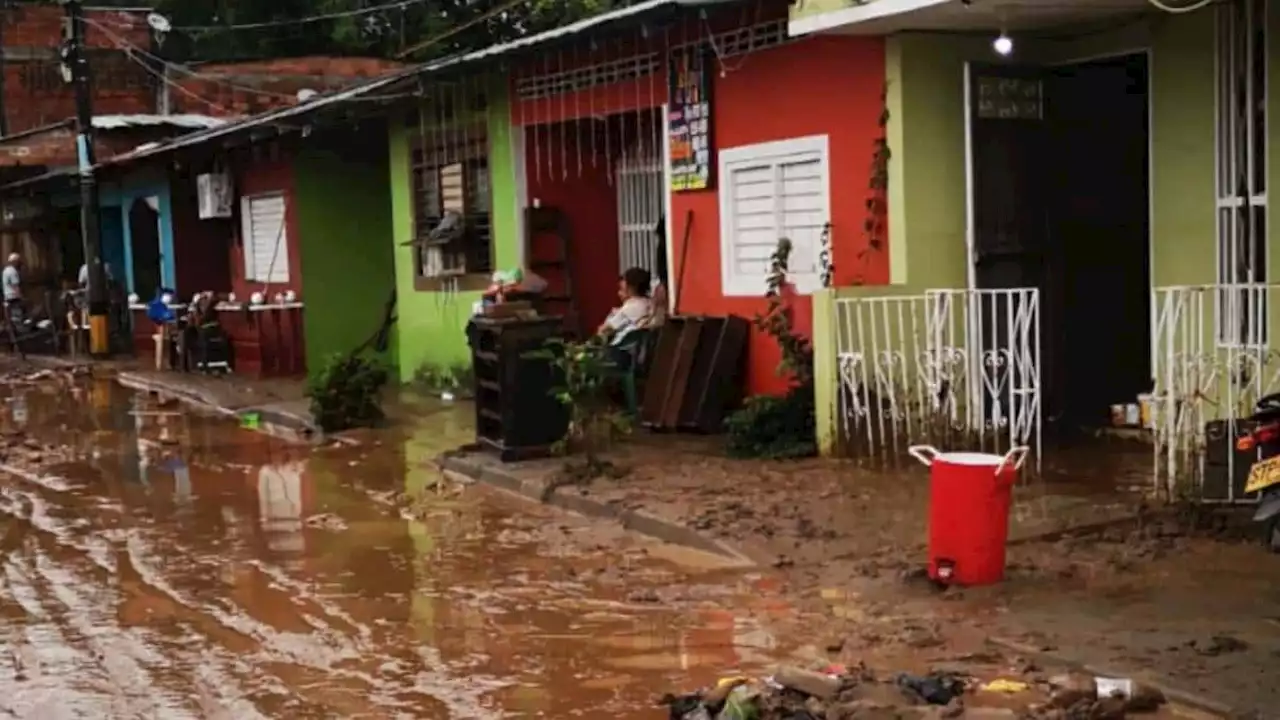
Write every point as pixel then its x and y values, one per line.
pixel 289 22
pixel 136 53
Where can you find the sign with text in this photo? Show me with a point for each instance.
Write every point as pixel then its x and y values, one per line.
pixel 689 121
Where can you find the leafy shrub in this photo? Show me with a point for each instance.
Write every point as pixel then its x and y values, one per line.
pixel 774 427
pixel 594 422
pixel 345 393
pixel 779 427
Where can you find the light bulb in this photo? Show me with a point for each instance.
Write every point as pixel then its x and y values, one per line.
pixel 1003 45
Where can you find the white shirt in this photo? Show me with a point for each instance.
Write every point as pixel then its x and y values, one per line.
pixel 634 313
pixel 12 282
pixel 84 273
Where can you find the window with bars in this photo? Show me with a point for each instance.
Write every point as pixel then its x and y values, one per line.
pixel 452 181
pixel 1241 174
pixel 771 191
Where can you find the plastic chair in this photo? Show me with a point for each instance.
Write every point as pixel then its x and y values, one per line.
pixel 638 345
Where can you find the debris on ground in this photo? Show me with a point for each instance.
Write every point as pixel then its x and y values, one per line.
pixel 837 693
pixel 326 521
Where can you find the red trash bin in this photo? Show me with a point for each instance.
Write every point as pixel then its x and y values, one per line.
pixel 969 498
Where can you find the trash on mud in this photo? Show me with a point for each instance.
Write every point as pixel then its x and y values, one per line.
pixel 1008 687
pixel 326 521
pixel 837 693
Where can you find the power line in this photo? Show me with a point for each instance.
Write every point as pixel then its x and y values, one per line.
pixel 135 53
pixel 400 5
pixel 453 31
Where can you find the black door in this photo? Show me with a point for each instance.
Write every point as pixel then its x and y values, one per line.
pixel 1099 216
pixel 144 241
pixel 1007 135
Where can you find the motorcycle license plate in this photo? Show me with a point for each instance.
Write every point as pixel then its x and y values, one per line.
pixel 1264 474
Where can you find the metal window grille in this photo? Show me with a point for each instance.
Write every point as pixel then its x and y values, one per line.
pixel 434 175
pixel 1240 313
pixel 574 79
pixel 730 43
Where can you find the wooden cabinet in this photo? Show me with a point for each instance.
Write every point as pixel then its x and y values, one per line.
pixel 516 414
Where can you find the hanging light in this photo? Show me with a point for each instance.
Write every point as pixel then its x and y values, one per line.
pixel 1003 45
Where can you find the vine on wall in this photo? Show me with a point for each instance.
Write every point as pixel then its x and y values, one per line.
pixel 875 226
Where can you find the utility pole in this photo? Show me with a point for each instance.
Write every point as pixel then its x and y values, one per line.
pixel 77 63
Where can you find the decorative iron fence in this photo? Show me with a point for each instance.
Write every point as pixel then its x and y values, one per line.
pixel 957 368
pixel 1211 360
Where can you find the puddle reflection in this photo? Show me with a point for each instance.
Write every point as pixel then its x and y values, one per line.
pixel 187 568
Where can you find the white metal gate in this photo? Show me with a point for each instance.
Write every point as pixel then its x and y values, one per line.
pixel 640 202
pixel 957 367
pixel 1211 359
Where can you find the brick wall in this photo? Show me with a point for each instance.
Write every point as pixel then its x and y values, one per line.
pixel 254 87
pixel 34 93
pixel 57 147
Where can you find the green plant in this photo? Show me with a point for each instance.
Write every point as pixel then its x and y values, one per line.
pixel 774 427
pixel 779 427
pixel 585 369
pixel 345 392
pixel 876 224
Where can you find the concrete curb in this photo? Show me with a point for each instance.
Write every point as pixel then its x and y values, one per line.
pixel 641 522
pixel 1173 695
pixel 283 425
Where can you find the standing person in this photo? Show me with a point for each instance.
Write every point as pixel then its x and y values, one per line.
pixel 11 279
pixel 84 275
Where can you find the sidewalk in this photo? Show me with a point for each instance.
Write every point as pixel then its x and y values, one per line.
pixel 279 403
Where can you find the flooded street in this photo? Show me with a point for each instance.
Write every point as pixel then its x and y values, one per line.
pixel 173 565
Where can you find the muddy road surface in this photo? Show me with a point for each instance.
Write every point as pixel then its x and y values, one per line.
pixel 159 564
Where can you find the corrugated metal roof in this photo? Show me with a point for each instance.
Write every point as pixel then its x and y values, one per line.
pixel 325 100
pixel 188 121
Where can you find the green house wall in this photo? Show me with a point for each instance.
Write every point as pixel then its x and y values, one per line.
pixel 344 223
pixel 432 324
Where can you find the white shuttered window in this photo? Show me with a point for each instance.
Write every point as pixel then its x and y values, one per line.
pixel 771 191
pixel 266 256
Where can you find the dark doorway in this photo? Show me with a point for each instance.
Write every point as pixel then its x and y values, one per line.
pixel 144 241
pixel 1061 202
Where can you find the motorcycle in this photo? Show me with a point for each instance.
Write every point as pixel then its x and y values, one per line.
pixel 1264 476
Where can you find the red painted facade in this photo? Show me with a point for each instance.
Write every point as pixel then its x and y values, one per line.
pixel 209 256
pixel 828 85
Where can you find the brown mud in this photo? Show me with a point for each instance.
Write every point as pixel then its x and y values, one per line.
pixel 155 562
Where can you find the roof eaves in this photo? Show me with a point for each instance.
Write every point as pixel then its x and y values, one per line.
pixel 455 61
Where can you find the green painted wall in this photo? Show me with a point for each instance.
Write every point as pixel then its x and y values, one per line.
pixel 927 167
pixel 431 324
pixel 1182 140
pixel 344 224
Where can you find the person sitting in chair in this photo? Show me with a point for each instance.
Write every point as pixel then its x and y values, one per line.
pixel 635 313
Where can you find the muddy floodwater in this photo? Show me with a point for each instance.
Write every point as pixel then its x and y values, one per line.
pixel 174 565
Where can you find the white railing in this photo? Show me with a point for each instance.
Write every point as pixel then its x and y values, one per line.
pixel 1211 360
pixel 959 368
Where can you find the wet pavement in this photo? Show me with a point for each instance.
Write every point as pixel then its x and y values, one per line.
pixel 171 565
pixel 160 563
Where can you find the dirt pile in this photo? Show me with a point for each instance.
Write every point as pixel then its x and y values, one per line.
pixel 837 693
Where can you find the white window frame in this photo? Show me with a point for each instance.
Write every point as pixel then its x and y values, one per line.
pixel 281 267
pixel 1241 311
pixel 775 153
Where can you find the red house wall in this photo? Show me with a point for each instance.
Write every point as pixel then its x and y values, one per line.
pixel 267 172
pixel 590 202
pixel 822 85
pixel 200 247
